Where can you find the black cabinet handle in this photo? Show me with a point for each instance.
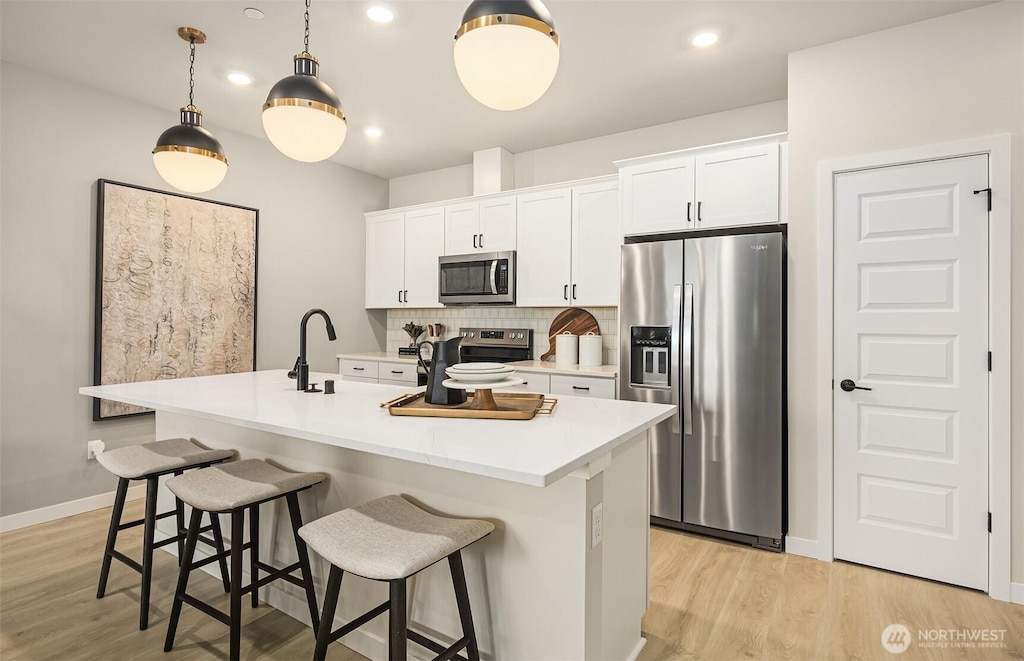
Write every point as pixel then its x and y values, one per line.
pixel 698 211
pixel 398 371
pixel 399 295
pixel 406 292
pixel 565 292
pixel 580 388
pixel 358 369
pixel 481 240
pixel 849 385
pixel 688 205
pixel 474 241
pixel 574 292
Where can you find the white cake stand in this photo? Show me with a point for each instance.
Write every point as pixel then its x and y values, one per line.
pixel 483 398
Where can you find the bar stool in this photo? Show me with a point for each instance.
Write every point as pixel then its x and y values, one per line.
pixel 150 461
pixel 234 488
pixel 390 539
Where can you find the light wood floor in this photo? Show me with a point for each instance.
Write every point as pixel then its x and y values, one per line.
pixel 709 600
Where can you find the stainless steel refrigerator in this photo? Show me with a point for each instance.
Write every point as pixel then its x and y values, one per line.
pixel 702 326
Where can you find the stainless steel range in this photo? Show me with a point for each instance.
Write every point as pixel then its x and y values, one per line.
pixel 496 345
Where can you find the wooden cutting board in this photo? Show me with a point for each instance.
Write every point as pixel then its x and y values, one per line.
pixel 575 320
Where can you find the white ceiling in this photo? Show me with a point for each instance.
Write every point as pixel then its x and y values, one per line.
pixel 624 65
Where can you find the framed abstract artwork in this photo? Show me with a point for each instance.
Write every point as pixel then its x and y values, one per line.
pixel 175 289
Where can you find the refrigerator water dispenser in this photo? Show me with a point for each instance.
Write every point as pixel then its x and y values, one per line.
pixel 650 356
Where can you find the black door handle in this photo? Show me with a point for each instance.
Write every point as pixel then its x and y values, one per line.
pixel 849 385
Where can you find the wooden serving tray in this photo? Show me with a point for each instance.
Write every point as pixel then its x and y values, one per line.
pixel 510 406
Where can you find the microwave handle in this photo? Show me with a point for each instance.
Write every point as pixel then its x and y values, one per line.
pixel 494 276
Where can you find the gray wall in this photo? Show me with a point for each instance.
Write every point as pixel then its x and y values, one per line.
pixel 949 78
pixel 57 139
pixel 593 157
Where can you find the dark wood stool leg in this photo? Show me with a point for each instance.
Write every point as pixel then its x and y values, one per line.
pixel 300 546
pixel 462 599
pixel 149 530
pixel 323 634
pixel 186 566
pixel 254 550
pixel 218 538
pixel 397 625
pixel 235 617
pixel 179 519
pixel 115 522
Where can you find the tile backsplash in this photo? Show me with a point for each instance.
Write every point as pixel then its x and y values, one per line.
pixel 539 319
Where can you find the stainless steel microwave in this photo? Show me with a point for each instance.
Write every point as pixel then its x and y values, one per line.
pixel 483 278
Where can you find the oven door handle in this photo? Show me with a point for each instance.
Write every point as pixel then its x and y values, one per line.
pixel 494 276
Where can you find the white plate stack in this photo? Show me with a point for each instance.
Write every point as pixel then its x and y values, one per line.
pixel 481 375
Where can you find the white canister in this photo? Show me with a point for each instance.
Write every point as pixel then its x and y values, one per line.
pixel 590 350
pixel 566 349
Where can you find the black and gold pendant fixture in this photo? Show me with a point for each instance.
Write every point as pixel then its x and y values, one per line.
pixel 506 52
pixel 187 156
pixel 303 116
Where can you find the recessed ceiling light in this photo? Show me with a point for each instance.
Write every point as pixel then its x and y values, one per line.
pixel 252 12
pixel 380 14
pixel 705 38
pixel 240 79
pixel 374 132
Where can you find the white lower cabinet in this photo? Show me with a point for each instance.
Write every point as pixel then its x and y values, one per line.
pixel 403 373
pixel 582 386
pixel 359 369
pixel 531 383
pixel 378 371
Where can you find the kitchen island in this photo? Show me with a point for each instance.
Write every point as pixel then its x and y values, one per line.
pixel 547 584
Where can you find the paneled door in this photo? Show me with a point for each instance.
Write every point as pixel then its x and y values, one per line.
pixel 910 390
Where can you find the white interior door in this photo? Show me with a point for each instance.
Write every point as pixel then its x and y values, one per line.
pixel 911 326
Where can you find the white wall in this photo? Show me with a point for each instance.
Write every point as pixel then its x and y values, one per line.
pixel 954 77
pixel 593 158
pixel 58 138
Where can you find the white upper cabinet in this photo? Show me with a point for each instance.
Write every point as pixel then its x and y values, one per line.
pixel 596 241
pixel 487 225
pixel 738 186
pixel 703 188
pixel 401 258
pixel 658 197
pixel 544 248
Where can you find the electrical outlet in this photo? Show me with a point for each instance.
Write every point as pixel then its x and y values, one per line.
pixel 94 448
pixel 597 525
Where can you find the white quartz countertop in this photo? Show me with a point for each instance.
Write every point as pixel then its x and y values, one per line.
pixel 536 452
pixel 528 366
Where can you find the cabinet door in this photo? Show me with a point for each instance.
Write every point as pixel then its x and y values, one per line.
pixel 596 244
pixel 498 224
pixel 738 186
pixel 544 246
pixel 658 197
pixel 424 243
pixel 385 260
pixel 582 386
pixel 461 228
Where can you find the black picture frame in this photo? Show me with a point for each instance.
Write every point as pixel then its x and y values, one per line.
pixel 165 204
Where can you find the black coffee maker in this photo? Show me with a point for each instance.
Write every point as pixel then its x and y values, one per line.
pixel 444 356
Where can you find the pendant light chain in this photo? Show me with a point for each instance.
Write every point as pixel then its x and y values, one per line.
pixel 191 71
pixel 306 38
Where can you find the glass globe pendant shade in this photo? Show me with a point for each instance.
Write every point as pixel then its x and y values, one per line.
pixel 506 52
pixel 188 157
pixel 303 116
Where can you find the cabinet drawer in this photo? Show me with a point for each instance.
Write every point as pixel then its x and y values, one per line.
pixel 533 383
pixel 403 372
pixel 364 369
pixel 582 386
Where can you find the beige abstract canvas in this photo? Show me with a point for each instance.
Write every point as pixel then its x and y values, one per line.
pixel 176 289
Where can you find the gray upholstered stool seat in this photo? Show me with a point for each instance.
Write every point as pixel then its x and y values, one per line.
pixel 234 488
pixel 226 487
pixel 389 538
pixel 150 462
pixel 137 461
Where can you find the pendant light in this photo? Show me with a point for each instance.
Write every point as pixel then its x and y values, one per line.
pixel 506 52
pixel 303 116
pixel 187 156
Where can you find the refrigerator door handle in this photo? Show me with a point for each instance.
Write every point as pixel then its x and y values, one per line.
pixel 687 351
pixel 674 368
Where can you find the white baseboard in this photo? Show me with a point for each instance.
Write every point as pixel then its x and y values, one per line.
pixel 1017 593
pixel 800 546
pixel 62 510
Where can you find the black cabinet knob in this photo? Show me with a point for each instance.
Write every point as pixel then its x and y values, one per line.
pixel 849 385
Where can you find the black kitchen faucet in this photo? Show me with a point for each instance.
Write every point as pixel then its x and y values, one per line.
pixel 301 370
